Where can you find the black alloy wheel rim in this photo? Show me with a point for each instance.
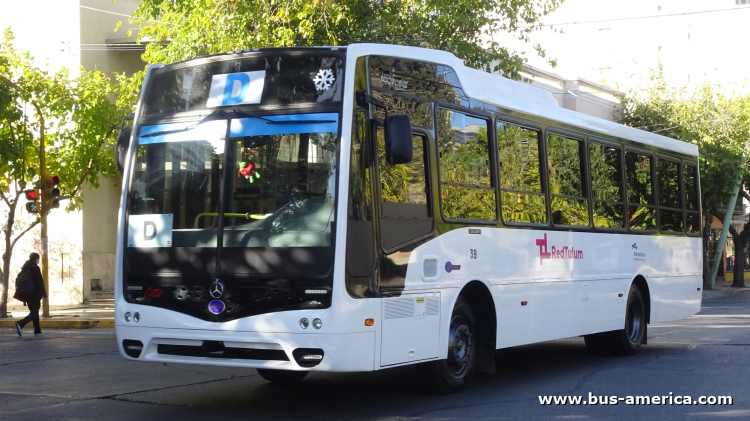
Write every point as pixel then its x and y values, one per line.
pixel 634 323
pixel 460 346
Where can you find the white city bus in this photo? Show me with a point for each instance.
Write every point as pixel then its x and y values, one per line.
pixel 371 206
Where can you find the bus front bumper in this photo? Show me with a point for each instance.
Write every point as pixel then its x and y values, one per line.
pixel 282 351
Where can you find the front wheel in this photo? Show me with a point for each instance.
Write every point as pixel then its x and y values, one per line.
pixel 281 376
pixel 454 373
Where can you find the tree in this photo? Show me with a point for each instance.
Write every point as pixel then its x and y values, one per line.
pixel 464 27
pixel 720 125
pixel 49 124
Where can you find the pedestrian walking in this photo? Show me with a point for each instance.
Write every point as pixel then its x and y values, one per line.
pixel 34 299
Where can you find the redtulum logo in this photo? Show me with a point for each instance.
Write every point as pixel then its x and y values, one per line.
pixel 556 253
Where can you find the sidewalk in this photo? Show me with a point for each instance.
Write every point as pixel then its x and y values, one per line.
pixel 724 288
pixel 98 313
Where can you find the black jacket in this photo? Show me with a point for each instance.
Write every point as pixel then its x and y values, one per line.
pixel 36 275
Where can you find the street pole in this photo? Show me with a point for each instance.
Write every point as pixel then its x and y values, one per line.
pixel 725 229
pixel 45 192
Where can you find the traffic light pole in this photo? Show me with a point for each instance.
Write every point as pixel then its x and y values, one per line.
pixel 43 211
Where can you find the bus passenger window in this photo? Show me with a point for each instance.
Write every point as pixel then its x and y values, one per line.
pixel 641 205
pixel 692 211
pixel 521 191
pixel 670 203
pixel 566 185
pixel 606 186
pixel 466 189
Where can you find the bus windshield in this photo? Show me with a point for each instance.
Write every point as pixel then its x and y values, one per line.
pixel 278 174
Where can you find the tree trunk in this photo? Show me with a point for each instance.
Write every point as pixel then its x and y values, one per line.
pixel 706 262
pixel 739 257
pixel 5 275
pixel 739 263
pixel 4 286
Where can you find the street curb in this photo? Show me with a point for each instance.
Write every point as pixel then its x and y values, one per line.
pixel 65 324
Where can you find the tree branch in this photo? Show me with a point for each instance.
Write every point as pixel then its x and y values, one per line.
pixel 5 199
pixel 745 194
pixel 720 217
pixel 33 224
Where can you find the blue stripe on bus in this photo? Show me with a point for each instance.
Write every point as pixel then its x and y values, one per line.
pixel 257 127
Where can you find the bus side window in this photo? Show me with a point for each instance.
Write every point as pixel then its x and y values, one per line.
pixel 570 205
pixel 606 186
pixel 467 191
pixel 670 199
pixel 521 190
pixel 641 204
pixel 404 196
pixel 692 211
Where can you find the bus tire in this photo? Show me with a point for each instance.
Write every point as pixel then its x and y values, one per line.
pixel 281 376
pixel 627 341
pixel 454 373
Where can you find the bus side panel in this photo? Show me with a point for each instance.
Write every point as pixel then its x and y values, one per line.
pixel 676 286
pixel 555 284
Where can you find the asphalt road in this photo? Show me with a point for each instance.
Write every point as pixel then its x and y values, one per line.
pixel 78 374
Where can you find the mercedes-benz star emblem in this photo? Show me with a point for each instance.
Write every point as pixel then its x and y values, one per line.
pixel 216 290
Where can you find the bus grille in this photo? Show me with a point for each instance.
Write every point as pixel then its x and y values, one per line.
pixel 216 349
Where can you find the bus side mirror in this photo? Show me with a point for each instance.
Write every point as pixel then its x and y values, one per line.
pixel 122 144
pixel 398 140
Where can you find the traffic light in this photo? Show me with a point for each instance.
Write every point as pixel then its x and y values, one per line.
pixel 54 193
pixel 32 195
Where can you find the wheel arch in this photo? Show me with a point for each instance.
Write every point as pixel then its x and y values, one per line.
pixel 477 294
pixel 642 284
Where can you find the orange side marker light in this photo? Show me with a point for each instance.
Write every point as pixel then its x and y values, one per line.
pixel 369 322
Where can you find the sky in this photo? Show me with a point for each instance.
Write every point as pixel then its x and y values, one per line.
pixel 618 43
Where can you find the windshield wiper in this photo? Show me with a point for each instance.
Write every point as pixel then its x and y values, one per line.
pixel 187 128
pixel 234 113
pixel 239 113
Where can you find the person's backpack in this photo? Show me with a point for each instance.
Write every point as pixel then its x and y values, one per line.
pixel 24 284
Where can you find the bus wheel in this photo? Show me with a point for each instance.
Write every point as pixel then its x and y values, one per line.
pixel 628 340
pixel 625 341
pixel 281 376
pixel 454 373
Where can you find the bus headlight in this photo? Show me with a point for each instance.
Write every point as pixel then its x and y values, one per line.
pixel 317 323
pixel 137 317
pixel 304 323
pixel 127 316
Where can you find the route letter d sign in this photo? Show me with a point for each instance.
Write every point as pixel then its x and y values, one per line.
pixel 150 230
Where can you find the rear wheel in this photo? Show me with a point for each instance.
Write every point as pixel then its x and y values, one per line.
pixel 454 373
pixel 625 341
pixel 281 376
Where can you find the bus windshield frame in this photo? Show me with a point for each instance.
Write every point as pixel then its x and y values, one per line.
pixel 237 194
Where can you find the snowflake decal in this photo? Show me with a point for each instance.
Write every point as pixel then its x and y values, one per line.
pixel 323 80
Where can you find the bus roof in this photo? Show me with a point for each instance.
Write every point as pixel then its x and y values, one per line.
pixel 522 97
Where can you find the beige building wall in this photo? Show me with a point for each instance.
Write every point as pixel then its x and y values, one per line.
pixel 105 50
pixel 74 33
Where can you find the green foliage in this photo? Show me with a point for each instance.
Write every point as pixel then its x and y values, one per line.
pixel 74 117
pixel 184 29
pixel 718 123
